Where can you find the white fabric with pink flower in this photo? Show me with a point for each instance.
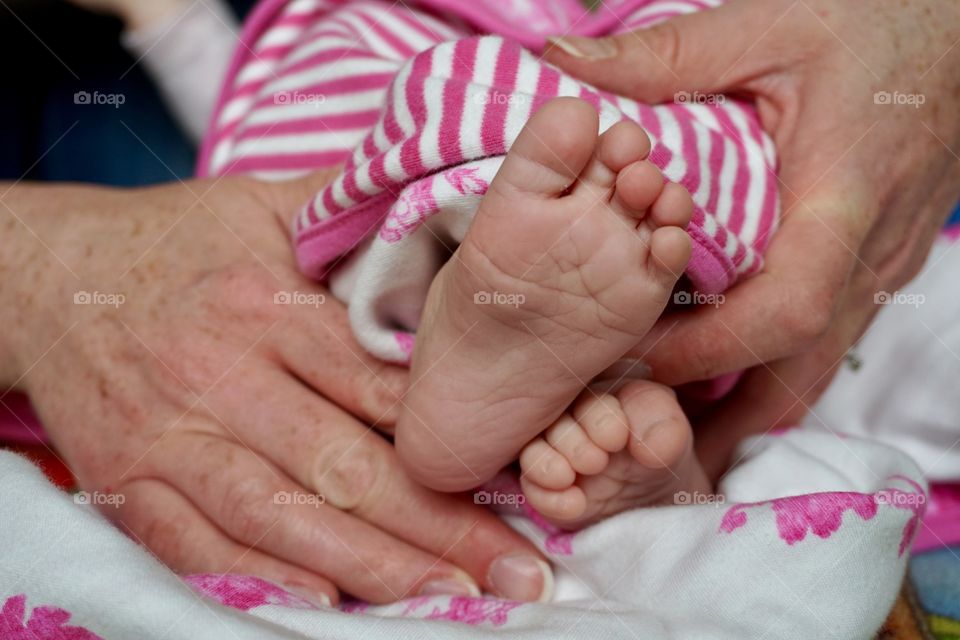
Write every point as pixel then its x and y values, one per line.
pixel 808 538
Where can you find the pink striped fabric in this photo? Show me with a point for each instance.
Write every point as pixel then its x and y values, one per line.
pixel 398 93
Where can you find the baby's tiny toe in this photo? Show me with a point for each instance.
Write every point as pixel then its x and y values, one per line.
pixel 545 466
pixel 603 419
pixel 661 435
pixel 673 208
pixel 663 444
pixel 638 187
pixel 572 441
pixel 568 504
pixel 622 144
pixel 670 249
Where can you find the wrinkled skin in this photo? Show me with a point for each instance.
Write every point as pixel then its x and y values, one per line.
pixel 197 398
pixel 865 184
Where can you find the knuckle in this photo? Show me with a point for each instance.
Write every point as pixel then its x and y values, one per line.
pixel 169 540
pixel 191 358
pixel 242 290
pixel 376 397
pixel 700 361
pixel 666 41
pixel 704 364
pixel 809 321
pixel 348 474
pixel 249 509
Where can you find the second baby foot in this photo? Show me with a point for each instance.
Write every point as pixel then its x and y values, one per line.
pixel 611 453
pixel 570 259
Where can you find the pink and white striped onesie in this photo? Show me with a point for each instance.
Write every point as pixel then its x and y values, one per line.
pixel 421 108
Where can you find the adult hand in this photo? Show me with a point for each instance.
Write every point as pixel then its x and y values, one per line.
pixel 861 102
pixel 179 360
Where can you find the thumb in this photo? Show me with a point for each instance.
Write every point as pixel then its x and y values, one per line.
pixel 709 51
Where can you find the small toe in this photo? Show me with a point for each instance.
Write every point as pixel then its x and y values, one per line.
pixel 622 144
pixel 670 249
pixel 545 466
pixel 604 421
pixel 568 504
pixel 638 186
pixel 660 434
pixel 673 208
pixel 572 441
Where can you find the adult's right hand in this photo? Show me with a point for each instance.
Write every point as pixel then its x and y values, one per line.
pixel 178 359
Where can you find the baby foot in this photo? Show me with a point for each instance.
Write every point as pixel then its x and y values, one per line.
pixel 570 259
pixel 611 453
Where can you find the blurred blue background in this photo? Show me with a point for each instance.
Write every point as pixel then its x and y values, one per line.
pixel 53 50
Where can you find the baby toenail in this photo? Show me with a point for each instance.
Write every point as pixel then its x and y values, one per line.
pixel 522 577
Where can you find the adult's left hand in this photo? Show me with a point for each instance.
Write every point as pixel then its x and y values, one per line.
pixel 862 105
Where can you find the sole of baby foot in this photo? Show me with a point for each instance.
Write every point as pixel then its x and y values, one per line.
pixel 570 259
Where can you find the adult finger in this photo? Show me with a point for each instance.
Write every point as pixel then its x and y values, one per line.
pixel 320 349
pixel 257 506
pixel 323 448
pixel 161 519
pixel 781 393
pixel 791 304
pixel 693 52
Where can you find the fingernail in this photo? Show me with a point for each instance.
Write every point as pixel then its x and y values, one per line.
pixel 586 48
pixel 460 585
pixel 317 599
pixel 522 577
pixel 628 368
pixel 620 373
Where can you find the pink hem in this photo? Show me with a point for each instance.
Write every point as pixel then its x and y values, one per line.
pixel 710 269
pixel 321 244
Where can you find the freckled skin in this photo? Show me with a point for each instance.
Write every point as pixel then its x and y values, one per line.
pixel 197 397
pixel 124 381
pixel 865 183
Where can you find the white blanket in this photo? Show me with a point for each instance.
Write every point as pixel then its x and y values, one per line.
pixel 827 563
